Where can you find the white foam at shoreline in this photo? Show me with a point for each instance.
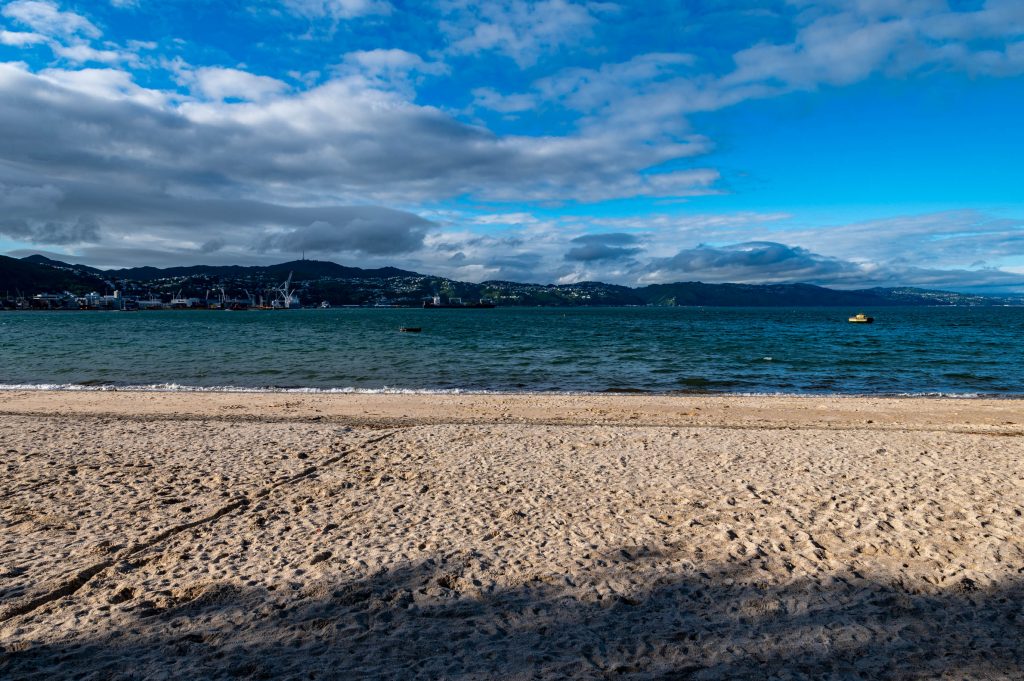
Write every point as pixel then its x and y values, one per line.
pixel 178 388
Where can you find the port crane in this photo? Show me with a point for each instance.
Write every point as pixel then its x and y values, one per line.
pixel 288 298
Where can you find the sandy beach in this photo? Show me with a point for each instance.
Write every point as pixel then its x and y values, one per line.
pixel 283 535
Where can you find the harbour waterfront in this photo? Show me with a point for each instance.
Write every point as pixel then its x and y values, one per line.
pixel 960 351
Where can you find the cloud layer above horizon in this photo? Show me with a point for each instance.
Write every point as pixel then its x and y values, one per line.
pixel 547 141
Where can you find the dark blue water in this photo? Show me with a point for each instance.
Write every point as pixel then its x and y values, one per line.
pixel 802 350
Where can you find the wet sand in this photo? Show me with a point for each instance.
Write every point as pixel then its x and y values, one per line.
pixel 185 535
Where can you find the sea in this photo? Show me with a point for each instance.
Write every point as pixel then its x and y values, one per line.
pixel 940 351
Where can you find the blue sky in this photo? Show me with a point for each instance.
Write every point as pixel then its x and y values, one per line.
pixel 854 143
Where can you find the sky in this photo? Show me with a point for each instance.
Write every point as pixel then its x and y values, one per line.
pixel 845 143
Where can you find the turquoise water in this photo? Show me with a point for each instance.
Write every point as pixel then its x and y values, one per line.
pixel 804 350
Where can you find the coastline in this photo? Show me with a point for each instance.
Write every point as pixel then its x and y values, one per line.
pixel 1003 415
pixel 548 536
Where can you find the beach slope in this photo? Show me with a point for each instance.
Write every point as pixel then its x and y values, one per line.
pixel 220 535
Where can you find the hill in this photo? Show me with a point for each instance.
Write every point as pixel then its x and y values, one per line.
pixel 33 276
pixel 761 295
pixel 301 269
pixel 317 280
pixel 43 260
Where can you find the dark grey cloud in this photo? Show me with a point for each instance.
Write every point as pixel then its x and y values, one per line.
pixel 515 267
pixel 184 226
pixel 609 238
pixel 516 261
pixel 83 229
pixel 31 213
pixel 348 137
pixel 593 252
pixel 91 157
pixel 113 256
pixel 363 229
pixel 213 245
pixel 762 261
pixel 611 246
pixel 496 242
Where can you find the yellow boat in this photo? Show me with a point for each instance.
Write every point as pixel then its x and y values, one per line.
pixel 860 318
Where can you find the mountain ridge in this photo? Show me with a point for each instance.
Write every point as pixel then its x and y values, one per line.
pixel 339 284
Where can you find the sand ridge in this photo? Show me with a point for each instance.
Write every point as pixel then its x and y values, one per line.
pixel 510 547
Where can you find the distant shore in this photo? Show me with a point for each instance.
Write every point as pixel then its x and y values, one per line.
pixel 544 536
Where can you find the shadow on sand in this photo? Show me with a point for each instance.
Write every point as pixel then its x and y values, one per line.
pixel 429 620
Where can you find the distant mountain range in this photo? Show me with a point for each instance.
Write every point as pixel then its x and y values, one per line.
pixel 302 269
pixel 318 281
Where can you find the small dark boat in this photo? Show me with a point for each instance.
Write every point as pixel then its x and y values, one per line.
pixel 411 329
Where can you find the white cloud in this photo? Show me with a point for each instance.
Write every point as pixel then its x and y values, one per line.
pixel 338 9
pixel 591 89
pixel 943 239
pixel 82 54
pixel 489 98
pixel 646 100
pixel 107 83
pixel 46 17
pixel 997 18
pixel 682 182
pixel 219 83
pixel 766 262
pixel 951 249
pixel 391 68
pixel 503 219
pixel 854 40
pixel 20 38
pixel 835 43
pixel 69 35
pixel 522 30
